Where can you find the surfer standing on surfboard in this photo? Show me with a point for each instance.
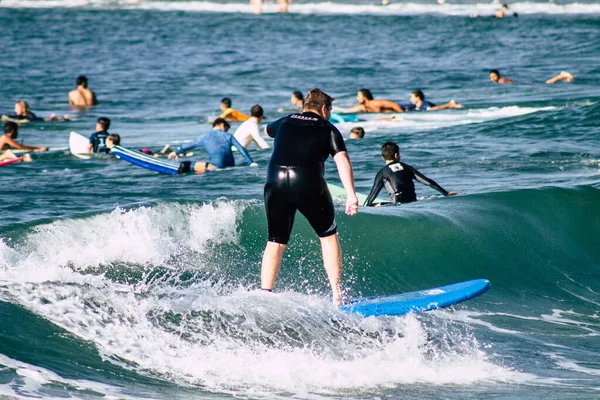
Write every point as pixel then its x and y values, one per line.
pixel 303 141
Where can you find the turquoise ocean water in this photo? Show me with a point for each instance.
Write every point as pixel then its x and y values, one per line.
pixel 116 282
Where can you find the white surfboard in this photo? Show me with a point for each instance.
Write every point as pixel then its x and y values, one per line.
pixel 78 145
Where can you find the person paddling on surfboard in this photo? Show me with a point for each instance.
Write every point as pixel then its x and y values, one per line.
pixel 8 142
pixel 24 114
pixel 217 144
pixel 229 113
pixel 398 177
pixel 303 141
pixel 366 103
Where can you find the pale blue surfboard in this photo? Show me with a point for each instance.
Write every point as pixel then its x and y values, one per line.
pixel 338 193
pixel 338 118
pixel 423 300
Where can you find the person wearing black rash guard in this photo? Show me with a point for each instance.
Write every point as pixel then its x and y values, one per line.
pixel 295 182
pixel 398 177
pixel 98 138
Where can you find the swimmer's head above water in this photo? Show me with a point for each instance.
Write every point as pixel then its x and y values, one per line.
pixel 221 124
pixel 363 96
pixel 12 129
pixel 82 81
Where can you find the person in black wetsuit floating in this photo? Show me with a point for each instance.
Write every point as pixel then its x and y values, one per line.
pixel 398 177
pixel 303 141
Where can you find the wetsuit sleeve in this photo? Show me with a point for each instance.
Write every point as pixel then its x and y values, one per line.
pixel 273 127
pixel 336 141
pixel 189 146
pixel 408 107
pixel 242 150
pixel 377 186
pixel 428 182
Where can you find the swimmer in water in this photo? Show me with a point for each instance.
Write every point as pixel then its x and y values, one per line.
pixel 397 178
pixel 496 78
pixel 229 113
pixel 284 5
pixel 217 144
pixel 24 114
pixel 82 96
pixel 297 99
pixel 357 132
pixel 8 142
pixel 366 103
pixel 418 103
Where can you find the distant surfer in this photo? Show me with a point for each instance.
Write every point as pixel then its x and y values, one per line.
pixel 98 138
pixel 496 78
pixel 8 142
pixel 82 96
pixel 499 14
pixel 229 113
pixel 397 178
pixel 418 103
pixel 248 130
pixel 563 76
pixel 24 114
pixel 366 103
pixel 295 182
pixel 217 144
pixel 256 6
pixel 357 132
pixel 284 5
pixel 297 99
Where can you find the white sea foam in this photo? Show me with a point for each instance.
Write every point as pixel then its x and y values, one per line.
pixel 337 8
pixel 212 334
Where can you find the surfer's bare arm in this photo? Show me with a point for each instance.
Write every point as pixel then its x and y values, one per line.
pixel 356 108
pixel 451 104
pixel 344 167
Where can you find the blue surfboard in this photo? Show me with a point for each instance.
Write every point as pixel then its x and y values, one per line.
pixel 340 118
pixel 146 161
pixel 423 300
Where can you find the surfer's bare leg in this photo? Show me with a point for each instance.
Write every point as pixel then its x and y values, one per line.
pixel 564 76
pixel 332 260
pixel 271 263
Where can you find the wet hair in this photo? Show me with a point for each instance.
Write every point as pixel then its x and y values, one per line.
pixel 505 6
pixel 82 80
pixel 104 123
pixel 388 150
pixel 115 138
pixel 495 71
pixel 419 94
pixel 366 93
pixel 11 127
pixel 226 101
pixel 315 99
pixel 297 94
pixel 220 121
pixel 256 111
pixel 359 131
pixel 24 106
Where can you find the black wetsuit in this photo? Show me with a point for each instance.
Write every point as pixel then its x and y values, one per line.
pixel 397 178
pixel 295 174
